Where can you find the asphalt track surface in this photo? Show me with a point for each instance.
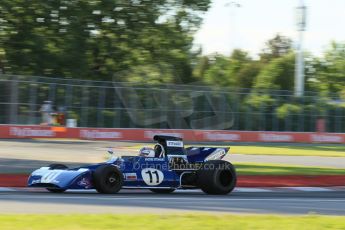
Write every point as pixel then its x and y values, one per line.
pixel 24 156
pixel 143 201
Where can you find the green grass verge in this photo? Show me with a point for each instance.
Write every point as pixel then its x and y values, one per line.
pixel 329 150
pixel 167 222
pixel 282 169
pixel 290 150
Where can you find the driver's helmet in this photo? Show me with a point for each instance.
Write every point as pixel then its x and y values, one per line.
pixel 147 152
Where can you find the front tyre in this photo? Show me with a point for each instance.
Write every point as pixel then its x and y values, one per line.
pixel 107 179
pixel 57 166
pixel 217 177
pixel 162 190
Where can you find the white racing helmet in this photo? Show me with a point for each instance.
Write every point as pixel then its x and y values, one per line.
pixel 147 152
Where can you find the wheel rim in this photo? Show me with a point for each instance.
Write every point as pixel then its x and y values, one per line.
pixel 112 179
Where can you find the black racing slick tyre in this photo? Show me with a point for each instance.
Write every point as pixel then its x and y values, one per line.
pixel 57 166
pixel 217 177
pixel 107 179
pixel 162 190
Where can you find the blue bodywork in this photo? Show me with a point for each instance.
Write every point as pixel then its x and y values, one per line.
pixel 138 171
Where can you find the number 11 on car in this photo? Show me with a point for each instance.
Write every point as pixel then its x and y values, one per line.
pixel 152 176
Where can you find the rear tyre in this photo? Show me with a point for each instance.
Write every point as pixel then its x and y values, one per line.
pixel 162 190
pixel 57 166
pixel 107 179
pixel 217 177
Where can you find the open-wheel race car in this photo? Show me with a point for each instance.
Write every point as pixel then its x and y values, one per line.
pixel 162 169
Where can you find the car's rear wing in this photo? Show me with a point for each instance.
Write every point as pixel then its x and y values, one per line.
pixel 172 145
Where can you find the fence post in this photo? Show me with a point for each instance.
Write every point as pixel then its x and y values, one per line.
pixel 262 125
pixel 100 106
pixel 33 101
pixel 13 111
pixel 117 109
pixel 84 104
pixel 247 124
pixel 163 109
pixel 236 111
pixel 52 87
pixel 341 117
pixel 312 115
pixel 288 120
pixel 68 101
pixel 275 122
pixel 302 115
pixel 337 119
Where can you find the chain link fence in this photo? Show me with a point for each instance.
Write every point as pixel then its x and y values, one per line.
pixel 128 105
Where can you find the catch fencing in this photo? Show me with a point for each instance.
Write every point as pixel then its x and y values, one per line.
pixel 107 104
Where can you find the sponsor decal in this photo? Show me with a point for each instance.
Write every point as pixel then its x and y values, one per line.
pixel 152 176
pixel 30 132
pixel 216 155
pixel 83 169
pixel 51 176
pixel 96 134
pixel 84 182
pixel 271 137
pixel 222 136
pixel 154 159
pixel 175 144
pixel 130 176
pixel 36 181
pixel 41 171
pixel 326 138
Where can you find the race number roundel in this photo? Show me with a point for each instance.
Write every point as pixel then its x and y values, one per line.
pixel 152 176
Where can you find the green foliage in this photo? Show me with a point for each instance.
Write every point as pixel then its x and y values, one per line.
pixel 218 72
pixel 329 74
pixel 150 42
pixel 149 74
pixel 95 39
pixel 247 74
pixel 342 94
pixel 202 65
pixel 287 109
pixel 278 74
pixel 239 70
pixel 259 100
pixel 276 47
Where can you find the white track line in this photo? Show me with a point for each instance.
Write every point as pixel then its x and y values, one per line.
pixel 7 189
pixel 253 190
pixel 310 189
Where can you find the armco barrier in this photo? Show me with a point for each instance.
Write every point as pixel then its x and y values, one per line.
pixel 20 131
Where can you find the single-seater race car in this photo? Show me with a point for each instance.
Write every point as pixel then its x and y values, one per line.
pixel 162 169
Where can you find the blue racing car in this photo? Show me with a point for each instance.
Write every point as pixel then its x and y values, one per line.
pixel 162 169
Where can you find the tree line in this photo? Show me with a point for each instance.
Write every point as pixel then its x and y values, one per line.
pixel 151 41
pixel 146 41
pixel 274 69
pixel 98 39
